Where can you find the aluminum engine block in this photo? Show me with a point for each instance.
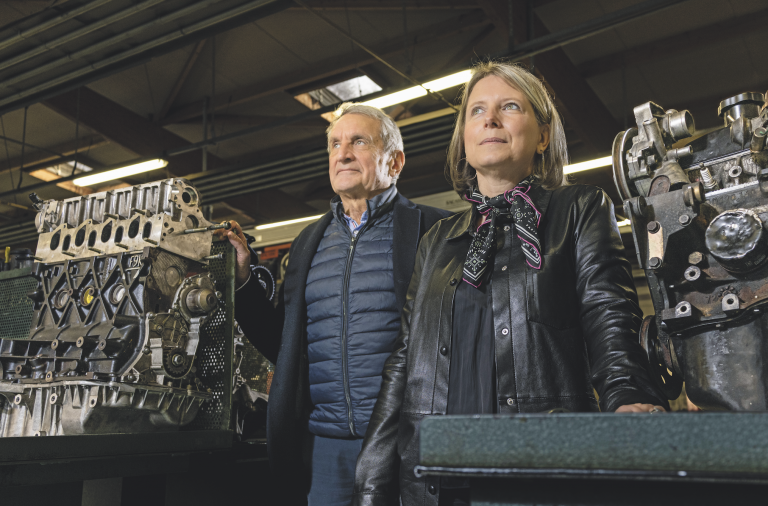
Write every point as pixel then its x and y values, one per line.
pixel 123 295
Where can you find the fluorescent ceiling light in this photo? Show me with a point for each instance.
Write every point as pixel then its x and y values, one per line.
pixel 589 164
pixel 419 91
pixel 121 172
pixel 289 222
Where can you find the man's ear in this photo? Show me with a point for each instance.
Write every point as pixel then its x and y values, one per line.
pixel 396 164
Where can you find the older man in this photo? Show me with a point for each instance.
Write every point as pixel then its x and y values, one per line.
pixel 339 311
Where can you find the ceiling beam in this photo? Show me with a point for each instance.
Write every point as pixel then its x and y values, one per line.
pixel 668 47
pixel 595 124
pixel 317 123
pixel 140 135
pixel 329 67
pixel 469 51
pixel 126 128
pixel 61 153
pixel 181 80
pixel 386 5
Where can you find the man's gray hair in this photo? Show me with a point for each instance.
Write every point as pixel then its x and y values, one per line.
pixel 390 133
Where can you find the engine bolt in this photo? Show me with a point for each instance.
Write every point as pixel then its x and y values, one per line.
pixel 653 227
pixel 654 262
pixel 695 258
pixel 684 219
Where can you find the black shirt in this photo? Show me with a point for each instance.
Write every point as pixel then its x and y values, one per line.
pixel 472 376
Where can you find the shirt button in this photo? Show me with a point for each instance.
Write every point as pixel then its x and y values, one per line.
pixel 432 489
pixel 453 281
pixel 511 401
pixel 504 268
pixel 505 331
pixel 444 350
pixel 506 228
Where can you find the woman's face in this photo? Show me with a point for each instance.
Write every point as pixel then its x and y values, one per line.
pixel 501 135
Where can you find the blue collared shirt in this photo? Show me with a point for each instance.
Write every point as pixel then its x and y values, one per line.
pixel 353 226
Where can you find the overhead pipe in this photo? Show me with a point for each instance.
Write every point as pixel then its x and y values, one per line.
pixel 273 182
pixel 76 34
pixel 243 176
pixel 110 42
pixel 47 25
pixel 588 29
pixel 426 126
pixel 26 231
pixel 275 178
pixel 436 134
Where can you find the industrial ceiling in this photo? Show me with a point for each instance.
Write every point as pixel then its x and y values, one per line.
pixel 237 87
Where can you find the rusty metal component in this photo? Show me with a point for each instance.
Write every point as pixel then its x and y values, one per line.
pixel 700 236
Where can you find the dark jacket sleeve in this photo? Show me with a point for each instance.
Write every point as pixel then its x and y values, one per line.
pixel 610 314
pixel 377 473
pixel 261 321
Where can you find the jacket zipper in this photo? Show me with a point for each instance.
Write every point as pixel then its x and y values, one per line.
pixel 344 323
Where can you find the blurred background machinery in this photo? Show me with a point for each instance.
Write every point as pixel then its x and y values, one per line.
pixel 698 211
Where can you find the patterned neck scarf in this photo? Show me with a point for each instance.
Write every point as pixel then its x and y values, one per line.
pixel 515 203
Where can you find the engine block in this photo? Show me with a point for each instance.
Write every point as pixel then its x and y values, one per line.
pixel 123 296
pixel 699 213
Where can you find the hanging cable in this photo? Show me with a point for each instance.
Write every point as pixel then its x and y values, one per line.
pixel 359 44
pixel 349 29
pixel 405 40
pixel 7 155
pixel 77 131
pixel 23 144
pixel 213 87
pixel 151 94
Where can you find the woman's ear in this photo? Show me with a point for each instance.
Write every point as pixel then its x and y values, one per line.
pixel 543 139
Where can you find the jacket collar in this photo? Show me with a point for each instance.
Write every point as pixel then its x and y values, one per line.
pixel 465 223
pixel 377 206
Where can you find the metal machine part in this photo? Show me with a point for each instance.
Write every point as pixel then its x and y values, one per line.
pixel 265 279
pixel 698 223
pixel 251 382
pixel 160 214
pixel 114 332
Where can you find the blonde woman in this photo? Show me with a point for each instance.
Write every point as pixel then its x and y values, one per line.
pixel 523 303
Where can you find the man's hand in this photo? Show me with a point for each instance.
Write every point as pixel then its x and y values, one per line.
pixel 640 408
pixel 237 239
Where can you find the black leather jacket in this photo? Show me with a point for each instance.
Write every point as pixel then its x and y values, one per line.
pixel 560 331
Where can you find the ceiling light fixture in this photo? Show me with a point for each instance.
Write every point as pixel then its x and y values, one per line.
pixel 289 222
pixel 420 91
pixel 130 170
pixel 589 164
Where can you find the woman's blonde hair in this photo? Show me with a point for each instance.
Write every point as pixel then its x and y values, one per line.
pixel 548 167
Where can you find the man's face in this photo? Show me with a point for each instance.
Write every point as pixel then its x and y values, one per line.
pixel 357 165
